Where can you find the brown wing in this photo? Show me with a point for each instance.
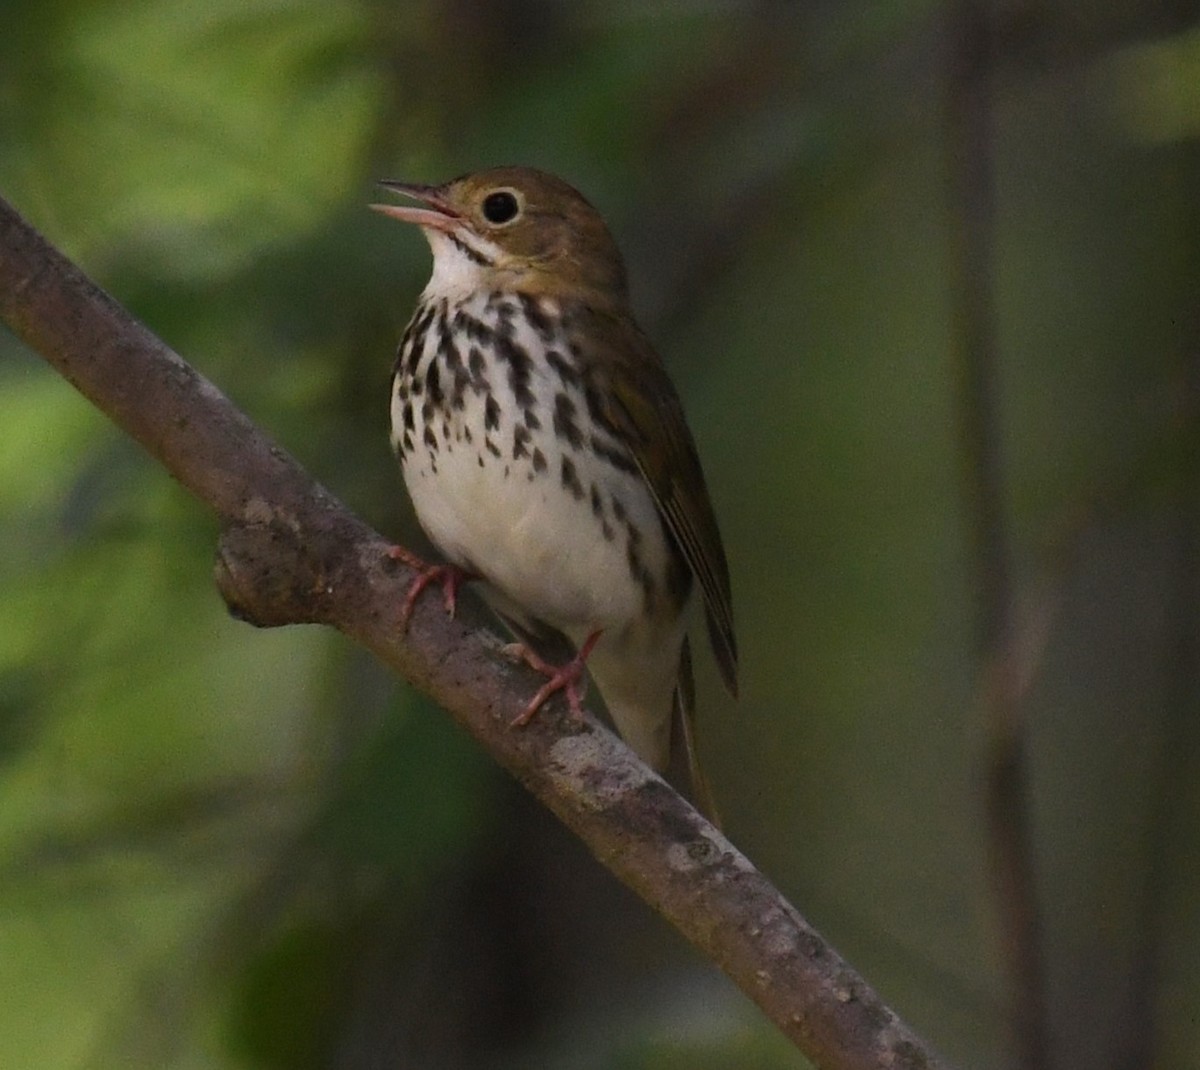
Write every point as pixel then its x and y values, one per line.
pixel 639 402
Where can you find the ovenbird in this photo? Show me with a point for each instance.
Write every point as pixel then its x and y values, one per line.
pixel 546 453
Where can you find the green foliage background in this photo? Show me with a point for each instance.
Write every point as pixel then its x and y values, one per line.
pixel 224 848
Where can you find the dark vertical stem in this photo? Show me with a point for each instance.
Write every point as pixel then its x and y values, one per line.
pixel 1181 735
pixel 970 140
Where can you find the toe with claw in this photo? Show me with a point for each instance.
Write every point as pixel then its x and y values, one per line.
pixel 569 678
pixel 451 577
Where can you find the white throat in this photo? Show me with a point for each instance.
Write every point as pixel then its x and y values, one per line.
pixel 456 274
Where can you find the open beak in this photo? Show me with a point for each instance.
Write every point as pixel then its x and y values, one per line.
pixel 436 213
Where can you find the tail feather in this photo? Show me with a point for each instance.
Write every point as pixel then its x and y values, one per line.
pixel 685 705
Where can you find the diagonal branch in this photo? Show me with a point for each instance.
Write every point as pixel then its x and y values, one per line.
pixel 291 553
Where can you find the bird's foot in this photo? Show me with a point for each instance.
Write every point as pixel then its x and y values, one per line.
pixel 568 678
pixel 451 577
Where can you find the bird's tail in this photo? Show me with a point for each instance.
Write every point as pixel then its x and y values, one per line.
pixel 685 706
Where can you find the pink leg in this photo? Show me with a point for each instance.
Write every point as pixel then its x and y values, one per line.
pixel 559 678
pixel 451 577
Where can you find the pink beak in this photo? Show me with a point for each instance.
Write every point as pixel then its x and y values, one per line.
pixel 437 213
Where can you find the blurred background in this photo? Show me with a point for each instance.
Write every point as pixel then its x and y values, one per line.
pixel 927 278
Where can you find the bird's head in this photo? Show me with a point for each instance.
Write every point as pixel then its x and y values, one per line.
pixel 513 228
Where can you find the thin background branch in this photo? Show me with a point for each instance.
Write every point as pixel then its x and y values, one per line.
pixel 291 553
pixel 1171 783
pixel 970 138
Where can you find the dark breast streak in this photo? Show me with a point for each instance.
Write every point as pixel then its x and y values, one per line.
pixel 513 353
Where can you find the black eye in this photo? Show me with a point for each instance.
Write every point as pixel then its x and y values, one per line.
pixel 500 207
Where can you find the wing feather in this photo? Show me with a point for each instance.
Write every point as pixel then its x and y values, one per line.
pixel 641 405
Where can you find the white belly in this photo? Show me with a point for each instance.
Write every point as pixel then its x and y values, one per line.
pixel 562 558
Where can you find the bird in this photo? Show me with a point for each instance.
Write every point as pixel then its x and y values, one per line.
pixel 547 457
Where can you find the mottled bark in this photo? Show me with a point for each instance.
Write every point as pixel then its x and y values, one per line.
pixel 290 553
